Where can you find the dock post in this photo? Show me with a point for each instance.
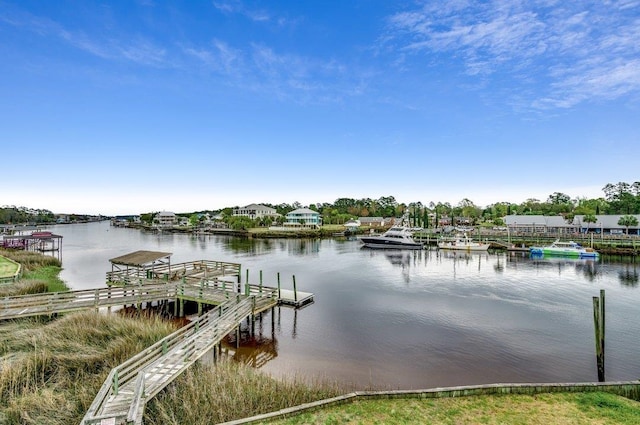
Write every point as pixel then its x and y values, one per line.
pixel 253 316
pixel 273 322
pixel 598 323
pixel 295 291
pixel 260 282
pixel 279 285
pixel 246 281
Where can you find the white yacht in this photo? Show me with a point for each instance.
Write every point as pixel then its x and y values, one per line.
pixel 397 237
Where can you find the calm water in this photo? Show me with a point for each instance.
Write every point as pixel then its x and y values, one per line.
pixel 407 319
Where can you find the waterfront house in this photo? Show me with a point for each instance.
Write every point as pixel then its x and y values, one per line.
pixel 166 218
pixel 303 217
pixel 255 211
pixel 372 222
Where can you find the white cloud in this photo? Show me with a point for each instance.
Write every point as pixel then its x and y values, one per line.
pixel 570 52
pixel 231 7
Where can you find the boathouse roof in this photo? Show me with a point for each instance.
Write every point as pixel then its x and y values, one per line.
pixel 140 258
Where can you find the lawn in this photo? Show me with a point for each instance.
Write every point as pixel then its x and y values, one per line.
pixel 8 268
pixel 541 409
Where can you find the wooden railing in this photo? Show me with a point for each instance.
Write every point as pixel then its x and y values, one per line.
pixel 209 292
pixel 167 272
pixel 60 302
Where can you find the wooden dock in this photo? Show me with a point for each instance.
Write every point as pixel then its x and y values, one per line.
pixel 146 291
pixel 129 386
pixel 132 384
pixel 294 298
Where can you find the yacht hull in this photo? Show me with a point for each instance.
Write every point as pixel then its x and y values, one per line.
pixel 380 243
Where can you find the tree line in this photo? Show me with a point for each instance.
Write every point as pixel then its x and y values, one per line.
pixel 620 198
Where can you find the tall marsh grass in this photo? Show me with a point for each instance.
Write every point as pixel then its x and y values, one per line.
pixel 30 260
pixel 210 394
pixel 50 371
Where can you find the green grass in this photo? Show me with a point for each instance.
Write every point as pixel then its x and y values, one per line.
pixel 49 275
pixel 39 273
pixel 541 409
pixel 8 268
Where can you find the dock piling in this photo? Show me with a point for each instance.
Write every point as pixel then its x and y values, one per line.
pixel 295 291
pixel 599 326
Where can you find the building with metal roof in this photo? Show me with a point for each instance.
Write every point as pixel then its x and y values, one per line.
pixel 605 224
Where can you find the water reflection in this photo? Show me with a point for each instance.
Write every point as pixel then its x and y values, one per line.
pixel 499 264
pixel 400 258
pixel 629 275
pixel 300 246
pixel 586 266
pixel 254 347
pixel 406 319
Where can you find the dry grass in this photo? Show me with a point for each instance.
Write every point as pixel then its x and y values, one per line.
pixel 23 287
pixel 207 394
pixel 50 371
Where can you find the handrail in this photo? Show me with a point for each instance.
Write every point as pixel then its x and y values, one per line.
pixel 175 271
pixel 49 303
pixel 137 406
pixel 52 302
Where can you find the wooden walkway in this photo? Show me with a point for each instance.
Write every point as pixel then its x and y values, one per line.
pixel 130 385
pixel 50 303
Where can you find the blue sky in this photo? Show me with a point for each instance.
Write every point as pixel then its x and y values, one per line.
pixel 122 107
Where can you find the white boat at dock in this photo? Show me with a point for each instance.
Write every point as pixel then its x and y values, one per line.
pixel 397 237
pixel 462 242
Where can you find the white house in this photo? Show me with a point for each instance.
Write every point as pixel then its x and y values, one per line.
pixel 254 211
pixel 166 218
pixel 374 221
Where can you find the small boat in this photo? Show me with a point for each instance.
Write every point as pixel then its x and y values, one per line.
pixel 565 249
pixel 463 242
